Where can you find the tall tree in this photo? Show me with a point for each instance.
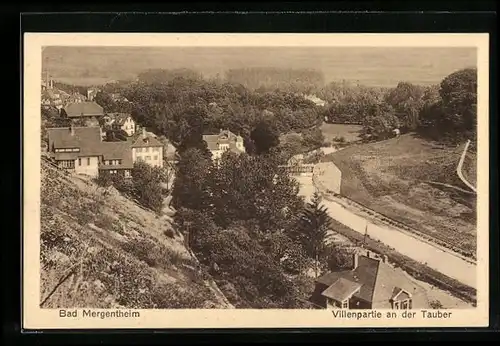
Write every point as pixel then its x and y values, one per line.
pixel 406 100
pixel 313 227
pixel 459 94
pixel 147 181
pixel 265 136
pixel 190 188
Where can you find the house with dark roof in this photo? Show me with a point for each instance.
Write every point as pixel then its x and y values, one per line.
pixel 146 147
pixel 224 141
pixel 372 283
pixel 116 158
pixel 122 121
pixel 89 112
pixel 81 150
pixel 76 149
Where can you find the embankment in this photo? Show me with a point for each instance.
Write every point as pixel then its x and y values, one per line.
pixel 431 264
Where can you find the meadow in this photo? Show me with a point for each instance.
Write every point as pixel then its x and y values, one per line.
pixel 413 181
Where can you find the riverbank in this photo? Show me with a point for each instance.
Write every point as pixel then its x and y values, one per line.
pixel 419 259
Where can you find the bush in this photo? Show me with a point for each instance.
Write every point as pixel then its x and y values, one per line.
pixel 172 296
pixel 147 182
pixel 435 304
pixel 338 257
pixel 105 222
pixel 169 232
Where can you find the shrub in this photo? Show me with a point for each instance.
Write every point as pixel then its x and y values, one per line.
pixel 435 304
pixel 104 221
pixel 148 252
pixel 172 296
pixel 169 232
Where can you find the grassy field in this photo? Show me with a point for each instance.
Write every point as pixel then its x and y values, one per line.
pixel 333 132
pixel 402 178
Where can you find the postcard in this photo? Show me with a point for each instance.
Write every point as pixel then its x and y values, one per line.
pixel 255 180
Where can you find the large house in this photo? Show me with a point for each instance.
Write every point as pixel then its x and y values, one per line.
pixel 76 149
pixel 145 147
pixel 224 141
pixel 122 121
pixel 81 150
pixel 372 283
pixel 116 158
pixel 88 112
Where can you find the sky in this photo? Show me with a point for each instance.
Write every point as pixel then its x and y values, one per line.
pixel 370 66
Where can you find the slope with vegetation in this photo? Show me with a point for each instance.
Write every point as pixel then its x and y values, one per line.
pixel 413 178
pixel 100 249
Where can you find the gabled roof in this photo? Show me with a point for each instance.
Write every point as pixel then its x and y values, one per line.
pixel 117 151
pixel 223 137
pixel 379 282
pixel 88 139
pixel 83 109
pixel 120 118
pixel 364 274
pixel 141 141
pixel 341 289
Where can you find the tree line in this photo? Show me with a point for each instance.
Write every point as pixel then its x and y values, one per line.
pixel 446 111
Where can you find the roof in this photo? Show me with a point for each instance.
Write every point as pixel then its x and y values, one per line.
pixel 83 109
pixel 149 141
pixel 51 94
pixel 365 273
pixel 379 281
pixel 120 118
pixel 223 137
pixel 341 289
pixel 117 151
pixel 88 139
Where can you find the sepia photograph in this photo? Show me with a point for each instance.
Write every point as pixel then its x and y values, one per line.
pixel 216 180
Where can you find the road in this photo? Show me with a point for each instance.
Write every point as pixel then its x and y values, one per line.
pixel 442 261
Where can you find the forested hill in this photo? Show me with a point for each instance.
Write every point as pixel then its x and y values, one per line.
pixel 184 106
pixel 270 78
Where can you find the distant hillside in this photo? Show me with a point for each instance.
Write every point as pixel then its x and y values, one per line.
pixel 371 66
pixel 413 181
pixel 101 250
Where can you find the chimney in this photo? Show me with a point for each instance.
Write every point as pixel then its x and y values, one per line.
pixel 51 83
pixel 72 129
pixel 368 254
pixel 384 259
pixel 354 260
pixel 143 132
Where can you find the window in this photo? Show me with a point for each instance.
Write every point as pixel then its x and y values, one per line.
pixel 155 157
pixel 146 150
pixel 148 158
pixel 88 161
pixel 402 304
pixel 79 161
pixel 345 304
pixel 156 149
pixel 139 150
